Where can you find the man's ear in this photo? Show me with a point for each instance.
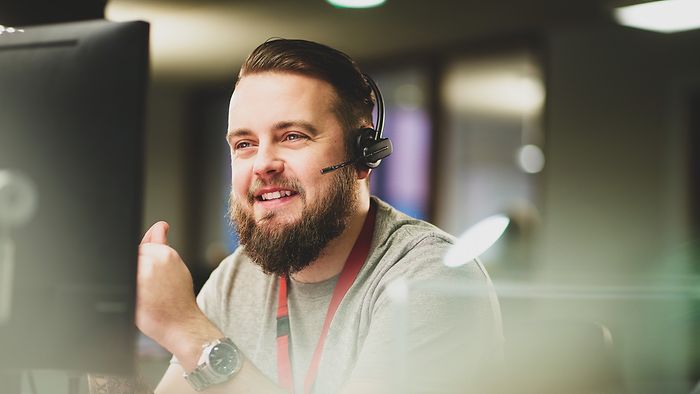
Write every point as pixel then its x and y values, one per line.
pixel 362 172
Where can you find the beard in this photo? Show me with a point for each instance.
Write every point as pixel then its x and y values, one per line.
pixel 283 249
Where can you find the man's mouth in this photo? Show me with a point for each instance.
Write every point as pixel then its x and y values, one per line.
pixel 276 195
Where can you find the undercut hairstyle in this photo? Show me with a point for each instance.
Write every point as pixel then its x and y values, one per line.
pixel 355 99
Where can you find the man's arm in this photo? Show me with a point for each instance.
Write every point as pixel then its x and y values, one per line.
pixel 248 380
pixel 167 312
pixel 102 384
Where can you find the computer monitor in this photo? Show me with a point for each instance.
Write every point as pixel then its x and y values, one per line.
pixel 72 102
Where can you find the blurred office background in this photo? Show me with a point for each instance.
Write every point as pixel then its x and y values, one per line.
pixel 586 133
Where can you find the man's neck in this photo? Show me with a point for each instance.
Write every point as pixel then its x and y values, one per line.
pixel 332 258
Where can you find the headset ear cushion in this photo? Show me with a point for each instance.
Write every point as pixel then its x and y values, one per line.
pixel 365 139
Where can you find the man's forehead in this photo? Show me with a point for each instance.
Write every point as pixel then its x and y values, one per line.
pixel 282 96
pixel 280 80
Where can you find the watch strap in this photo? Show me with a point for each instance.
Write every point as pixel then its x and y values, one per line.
pixel 201 378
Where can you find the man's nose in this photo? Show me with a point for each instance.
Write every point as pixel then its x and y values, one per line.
pixel 267 162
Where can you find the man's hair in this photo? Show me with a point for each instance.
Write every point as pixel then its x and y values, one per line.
pixel 354 95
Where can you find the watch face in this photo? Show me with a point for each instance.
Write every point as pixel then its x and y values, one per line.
pixel 223 359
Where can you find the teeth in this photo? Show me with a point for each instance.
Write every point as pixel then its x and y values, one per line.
pixel 276 195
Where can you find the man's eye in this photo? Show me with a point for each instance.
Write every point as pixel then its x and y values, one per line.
pixel 294 137
pixel 242 145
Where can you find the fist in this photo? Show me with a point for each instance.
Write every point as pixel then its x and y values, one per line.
pixel 165 293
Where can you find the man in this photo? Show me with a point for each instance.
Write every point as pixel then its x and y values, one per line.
pixel 269 310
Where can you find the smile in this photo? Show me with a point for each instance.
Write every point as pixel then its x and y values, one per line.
pixel 275 195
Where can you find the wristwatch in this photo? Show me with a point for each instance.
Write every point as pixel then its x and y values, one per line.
pixel 219 362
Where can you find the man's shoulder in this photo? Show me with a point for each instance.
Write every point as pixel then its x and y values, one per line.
pixel 406 246
pixel 397 229
pixel 236 267
pixel 414 249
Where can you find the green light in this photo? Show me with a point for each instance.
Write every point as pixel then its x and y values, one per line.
pixel 356 3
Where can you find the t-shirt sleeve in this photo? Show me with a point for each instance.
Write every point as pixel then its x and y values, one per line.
pixel 433 328
pixel 207 298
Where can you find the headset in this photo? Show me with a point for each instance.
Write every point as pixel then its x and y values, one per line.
pixel 370 146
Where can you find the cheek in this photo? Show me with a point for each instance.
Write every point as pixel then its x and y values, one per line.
pixel 317 184
pixel 240 179
pixel 307 169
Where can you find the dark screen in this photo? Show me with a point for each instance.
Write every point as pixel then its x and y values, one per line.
pixel 71 127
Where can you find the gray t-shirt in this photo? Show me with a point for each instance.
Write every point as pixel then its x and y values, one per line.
pixel 373 336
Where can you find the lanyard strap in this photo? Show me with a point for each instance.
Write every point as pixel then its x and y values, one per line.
pixel 351 269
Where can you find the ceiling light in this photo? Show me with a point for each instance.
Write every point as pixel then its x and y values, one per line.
pixel 356 3
pixel 530 158
pixel 668 16
pixel 504 85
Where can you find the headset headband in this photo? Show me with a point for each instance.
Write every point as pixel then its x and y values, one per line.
pixel 379 127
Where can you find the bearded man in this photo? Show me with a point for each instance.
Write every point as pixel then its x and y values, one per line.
pixel 303 305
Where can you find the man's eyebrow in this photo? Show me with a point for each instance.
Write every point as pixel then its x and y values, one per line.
pixel 286 124
pixel 306 126
pixel 237 133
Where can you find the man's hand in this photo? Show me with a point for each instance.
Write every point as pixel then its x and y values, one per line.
pixel 166 309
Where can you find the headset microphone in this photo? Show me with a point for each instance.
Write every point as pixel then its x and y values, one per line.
pixel 337 166
pixel 371 148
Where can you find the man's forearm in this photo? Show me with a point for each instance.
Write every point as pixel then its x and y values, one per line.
pixel 105 384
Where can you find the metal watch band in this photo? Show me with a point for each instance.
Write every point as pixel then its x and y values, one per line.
pixel 198 378
pixel 202 378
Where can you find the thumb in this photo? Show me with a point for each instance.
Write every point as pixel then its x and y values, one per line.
pixel 157 234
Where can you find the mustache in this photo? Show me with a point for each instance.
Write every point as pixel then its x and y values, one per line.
pixel 277 180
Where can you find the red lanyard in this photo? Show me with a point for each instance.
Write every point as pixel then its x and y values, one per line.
pixel 352 267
